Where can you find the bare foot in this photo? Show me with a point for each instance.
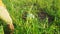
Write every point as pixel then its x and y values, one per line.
pixel 11 28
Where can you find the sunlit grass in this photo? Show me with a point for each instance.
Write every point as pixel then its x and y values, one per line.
pixel 32 24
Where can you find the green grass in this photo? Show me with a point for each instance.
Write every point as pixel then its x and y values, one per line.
pixel 32 24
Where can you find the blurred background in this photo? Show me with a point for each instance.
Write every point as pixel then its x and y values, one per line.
pixel 34 16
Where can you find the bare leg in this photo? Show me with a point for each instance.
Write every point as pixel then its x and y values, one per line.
pixel 4 15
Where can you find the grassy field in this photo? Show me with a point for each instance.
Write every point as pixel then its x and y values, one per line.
pixel 34 16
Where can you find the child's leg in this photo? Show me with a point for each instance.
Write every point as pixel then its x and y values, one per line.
pixel 4 15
